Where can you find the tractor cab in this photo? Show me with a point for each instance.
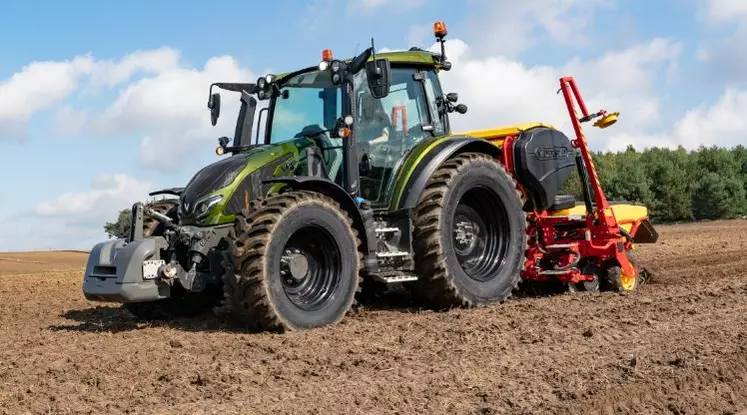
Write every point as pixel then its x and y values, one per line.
pixel 394 102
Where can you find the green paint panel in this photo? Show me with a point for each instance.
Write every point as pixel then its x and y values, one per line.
pixel 258 157
pixel 410 164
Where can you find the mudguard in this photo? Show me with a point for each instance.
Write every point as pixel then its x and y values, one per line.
pixel 420 166
pixel 176 191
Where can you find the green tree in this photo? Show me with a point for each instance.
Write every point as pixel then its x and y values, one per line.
pixel 624 177
pixel 716 160
pixel 121 227
pixel 740 156
pixel 717 197
pixel 670 174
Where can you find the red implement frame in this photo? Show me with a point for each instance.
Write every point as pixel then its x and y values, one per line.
pixel 402 109
pixel 557 244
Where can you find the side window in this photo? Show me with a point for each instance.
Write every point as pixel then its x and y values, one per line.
pixel 402 113
pixel 435 93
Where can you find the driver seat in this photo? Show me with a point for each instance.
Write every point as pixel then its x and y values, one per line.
pixel 331 148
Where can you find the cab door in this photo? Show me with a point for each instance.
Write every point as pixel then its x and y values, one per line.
pixel 388 128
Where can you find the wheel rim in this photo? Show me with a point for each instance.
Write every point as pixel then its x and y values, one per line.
pixel 627 281
pixel 479 231
pixel 310 267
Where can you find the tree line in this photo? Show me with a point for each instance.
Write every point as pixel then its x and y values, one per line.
pixel 676 185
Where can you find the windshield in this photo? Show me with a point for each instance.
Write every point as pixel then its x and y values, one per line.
pixel 312 103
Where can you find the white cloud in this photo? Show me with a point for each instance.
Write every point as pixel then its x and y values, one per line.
pixel 725 57
pixel 108 192
pixel 38 86
pixel 170 111
pixel 73 220
pixel 509 27
pixel 43 85
pixel 392 6
pixel 111 73
pixel 499 90
pixel 719 11
pixel 69 121
pixel 722 124
pixel 165 106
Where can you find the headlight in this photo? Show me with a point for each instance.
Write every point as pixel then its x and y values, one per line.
pixel 205 206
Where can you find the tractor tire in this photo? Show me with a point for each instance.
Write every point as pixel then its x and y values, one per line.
pixel 181 303
pixel 168 207
pixel 588 286
pixel 470 234
pixel 296 263
pixel 585 286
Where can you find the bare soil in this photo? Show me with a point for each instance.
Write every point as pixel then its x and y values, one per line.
pixel 678 345
pixel 40 261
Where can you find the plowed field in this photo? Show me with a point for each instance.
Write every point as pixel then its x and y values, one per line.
pixel 678 345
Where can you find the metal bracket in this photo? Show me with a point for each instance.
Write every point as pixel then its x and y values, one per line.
pixel 136 223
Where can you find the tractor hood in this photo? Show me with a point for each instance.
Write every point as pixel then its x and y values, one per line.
pixel 208 198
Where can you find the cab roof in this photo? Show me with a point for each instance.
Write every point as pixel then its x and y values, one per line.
pixel 414 56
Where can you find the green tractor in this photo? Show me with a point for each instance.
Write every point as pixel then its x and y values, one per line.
pixel 357 182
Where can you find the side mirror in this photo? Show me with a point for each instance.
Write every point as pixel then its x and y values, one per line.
pixel 379 73
pixel 214 105
pixel 452 97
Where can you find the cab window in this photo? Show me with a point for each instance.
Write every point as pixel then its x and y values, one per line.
pixel 435 96
pixel 402 113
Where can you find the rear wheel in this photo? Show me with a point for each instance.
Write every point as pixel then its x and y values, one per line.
pixel 296 263
pixel 470 234
pixel 585 286
pixel 594 285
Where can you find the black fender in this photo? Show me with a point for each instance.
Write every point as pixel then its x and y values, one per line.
pixel 176 191
pixel 336 192
pixel 437 156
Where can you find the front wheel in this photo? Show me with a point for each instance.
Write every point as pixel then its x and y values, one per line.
pixel 470 234
pixel 296 263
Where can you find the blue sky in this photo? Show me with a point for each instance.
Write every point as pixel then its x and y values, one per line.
pixel 100 103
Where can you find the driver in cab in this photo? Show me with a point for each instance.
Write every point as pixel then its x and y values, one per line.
pixel 374 125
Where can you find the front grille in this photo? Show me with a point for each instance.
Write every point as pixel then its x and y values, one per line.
pixel 102 271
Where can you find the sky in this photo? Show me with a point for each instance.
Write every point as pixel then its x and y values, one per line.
pixel 101 104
